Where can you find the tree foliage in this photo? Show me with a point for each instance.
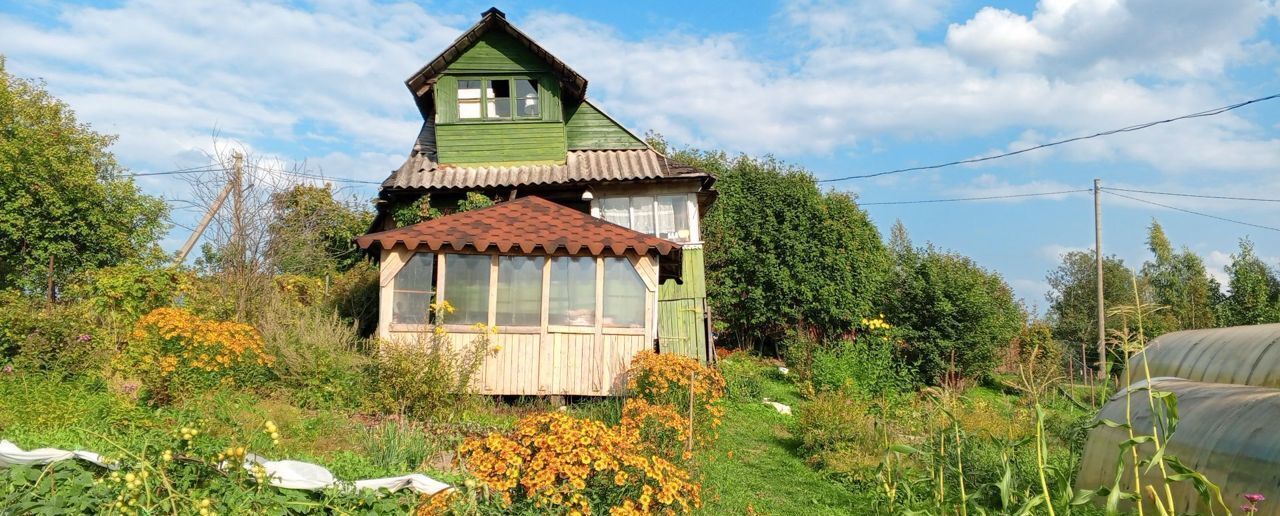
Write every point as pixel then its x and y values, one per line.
pixel 313 233
pixel 1180 283
pixel 955 315
pixel 1254 291
pixel 781 254
pixel 1073 301
pixel 62 197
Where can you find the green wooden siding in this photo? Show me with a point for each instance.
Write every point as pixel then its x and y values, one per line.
pixel 500 143
pixel 497 51
pixel 681 323
pixel 587 128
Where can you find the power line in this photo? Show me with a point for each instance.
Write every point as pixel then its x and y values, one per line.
pixel 1210 112
pixel 193 170
pixel 1184 210
pixel 985 198
pixel 1199 196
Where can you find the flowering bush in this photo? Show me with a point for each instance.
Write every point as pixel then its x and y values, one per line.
pixel 173 351
pixel 666 379
pixel 553 462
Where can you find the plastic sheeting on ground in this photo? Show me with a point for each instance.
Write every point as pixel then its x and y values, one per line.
pixel 287 474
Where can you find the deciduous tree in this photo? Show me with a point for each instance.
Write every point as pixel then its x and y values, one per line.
pixel 64 204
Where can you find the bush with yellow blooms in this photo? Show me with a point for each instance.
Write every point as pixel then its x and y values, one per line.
pixel 173 351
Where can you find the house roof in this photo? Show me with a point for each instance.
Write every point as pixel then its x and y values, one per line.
pixel 573 83
pixel 528 225
pixel 419 171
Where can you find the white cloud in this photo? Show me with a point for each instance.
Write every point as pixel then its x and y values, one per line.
pixel 1169 38
pixel 1216 263
pixel 166 75
pixel 843 91
pixel 1054 252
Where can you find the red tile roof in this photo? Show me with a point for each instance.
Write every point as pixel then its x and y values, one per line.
pixel 525 225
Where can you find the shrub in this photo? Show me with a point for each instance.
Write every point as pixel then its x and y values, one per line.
pixel 554 462
pixel 354 295
pixel 955 316
pixel 59 338
pixel 838 434
pixel 317 356
pixel 174 352
pixel 129 290
pixel 866 367
pixel 781 252
pixel 672 380
pixel 744 376
pixel 423 377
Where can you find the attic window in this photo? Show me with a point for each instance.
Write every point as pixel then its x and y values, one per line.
pixel 493 99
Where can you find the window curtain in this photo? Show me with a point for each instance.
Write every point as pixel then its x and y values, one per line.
pixel 413 290
pixel 519 290
pixel 624 294
pixel 573 291
pixel 466 287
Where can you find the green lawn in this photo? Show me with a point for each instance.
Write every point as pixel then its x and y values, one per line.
pixel 754 465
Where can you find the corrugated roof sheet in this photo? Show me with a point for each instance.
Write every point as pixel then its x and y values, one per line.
pixel 580 165
pixel 526 225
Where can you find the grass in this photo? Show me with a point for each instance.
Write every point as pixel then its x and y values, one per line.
pixel 754 466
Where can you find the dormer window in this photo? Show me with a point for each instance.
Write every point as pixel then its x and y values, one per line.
pixel 490 98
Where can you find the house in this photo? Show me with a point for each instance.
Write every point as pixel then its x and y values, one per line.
pixel 593 251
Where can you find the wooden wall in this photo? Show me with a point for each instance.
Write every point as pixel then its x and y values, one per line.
pixel 587 128
pixel 682 310
pixel 507 142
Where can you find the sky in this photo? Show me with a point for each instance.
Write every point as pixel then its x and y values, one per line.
pixel 839 88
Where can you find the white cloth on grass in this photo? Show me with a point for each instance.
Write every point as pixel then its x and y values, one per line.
pixel 287 474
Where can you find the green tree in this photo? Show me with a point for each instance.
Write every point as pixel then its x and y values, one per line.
pixel 782 255
pixel 63 201
pixel 956 316
pixel 313 233
pixel 1180 283
pixel 1253 290
pixel 1073 304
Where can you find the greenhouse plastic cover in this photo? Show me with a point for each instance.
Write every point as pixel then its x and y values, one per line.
pixel 1225 432
pixel 287 474
pixel 1241 355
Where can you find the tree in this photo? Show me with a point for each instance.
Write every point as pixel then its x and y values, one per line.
pixel 1180 283
pixel 313 233
pixel 1073 305
pixel 955 315
pixel 1254 290
pixel 64 205
pixel 782 255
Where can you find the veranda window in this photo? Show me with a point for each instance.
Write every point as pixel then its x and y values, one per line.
pixel 519 291
pixel 573 291
pixel 624 295
pixel 466 287
pixel 413 289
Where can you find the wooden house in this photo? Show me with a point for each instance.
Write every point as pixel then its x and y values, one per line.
pixel 593 252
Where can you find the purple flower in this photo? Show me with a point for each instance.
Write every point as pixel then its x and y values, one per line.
pixel 1248 508
pixel 1254 497
pixel 8 368
pixel 84 337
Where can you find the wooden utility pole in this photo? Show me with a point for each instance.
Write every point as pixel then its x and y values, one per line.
pixel 1097 251
pixel 237 206
pixel 232 185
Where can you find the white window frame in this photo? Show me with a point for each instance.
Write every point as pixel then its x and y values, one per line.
pixel 691 211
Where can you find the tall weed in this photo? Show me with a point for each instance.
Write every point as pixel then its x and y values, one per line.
pixel 318 355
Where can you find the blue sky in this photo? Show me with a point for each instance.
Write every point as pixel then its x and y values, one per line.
pixel 840 88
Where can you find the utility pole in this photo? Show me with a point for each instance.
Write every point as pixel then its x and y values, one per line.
pixel 232 185
pixel 237 207
pixel 1097 251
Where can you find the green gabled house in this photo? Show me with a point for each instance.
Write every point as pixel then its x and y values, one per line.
pixel 504 118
